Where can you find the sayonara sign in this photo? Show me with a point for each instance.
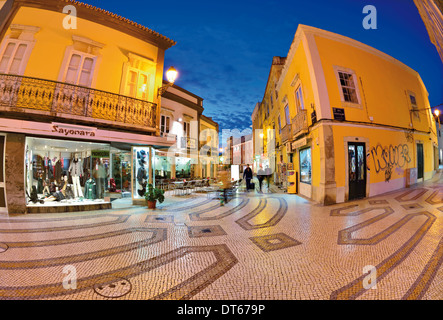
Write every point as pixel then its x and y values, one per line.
pixel 72 131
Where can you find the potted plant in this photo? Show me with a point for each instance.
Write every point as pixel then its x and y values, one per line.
pixel 153 195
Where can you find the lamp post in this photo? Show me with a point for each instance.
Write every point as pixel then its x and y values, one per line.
pixel 171 75
pixel 437 115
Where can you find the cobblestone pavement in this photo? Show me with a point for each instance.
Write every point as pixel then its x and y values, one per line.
pixel 257 246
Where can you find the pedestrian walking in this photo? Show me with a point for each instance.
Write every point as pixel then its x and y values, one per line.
pixel 225 181
pixel 247 175
pixel 268 173
pixel 260 177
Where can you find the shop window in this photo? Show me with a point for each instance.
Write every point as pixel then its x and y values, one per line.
pixel 61 172
pixel 161 167
pixel 141 171
pixel 305 165
pixel 183 167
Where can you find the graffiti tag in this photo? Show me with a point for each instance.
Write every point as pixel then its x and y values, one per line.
pixel 389 157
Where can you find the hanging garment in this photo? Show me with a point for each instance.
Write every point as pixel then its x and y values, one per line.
pixel 58 171
pixel 141 175
pixel 40 185
pixel 112 185
pixel 75 168
pixel 90 189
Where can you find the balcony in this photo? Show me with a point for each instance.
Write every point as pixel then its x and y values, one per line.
pixel 286 133
pixel 56 100
pixel 299 124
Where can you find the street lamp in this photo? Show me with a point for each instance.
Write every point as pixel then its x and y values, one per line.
pixel 171 75
pixel 437 115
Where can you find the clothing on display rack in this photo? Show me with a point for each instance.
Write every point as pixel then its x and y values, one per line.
pixel 142 176
pixel 58 171
pixel 90 189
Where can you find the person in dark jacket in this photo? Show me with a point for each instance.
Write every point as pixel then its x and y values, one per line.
pixel 260 177
pixel 247 175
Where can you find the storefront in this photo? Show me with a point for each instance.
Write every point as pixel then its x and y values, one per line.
pixel 61 172
pixel 64 168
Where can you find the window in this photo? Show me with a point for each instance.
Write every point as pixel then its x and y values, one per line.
pixel 187 129
pixel 287 118
pixel 299 99
pixel 413 104
pixel 137 84
pixel 413 101
pixel 348 86
pixel 164 124
pixel 12 58
pixel 279 125
pixel 138 77
pixel 305 165
pixel 80 69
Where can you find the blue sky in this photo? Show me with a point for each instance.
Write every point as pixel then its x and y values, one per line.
pixel 224 48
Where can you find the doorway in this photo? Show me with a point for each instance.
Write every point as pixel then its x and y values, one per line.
pixel 420 161
pixel 3 207
pixel 356 170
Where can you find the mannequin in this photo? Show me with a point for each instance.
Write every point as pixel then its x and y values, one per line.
pixel 100 175
pixel 59 194
pixel 142 176
pixel 76 170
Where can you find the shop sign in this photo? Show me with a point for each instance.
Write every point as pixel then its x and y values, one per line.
pixel 339 114
pixel 313 117
pixel 100 153
pixel 299 143
pixel 72 131
pixel 288 148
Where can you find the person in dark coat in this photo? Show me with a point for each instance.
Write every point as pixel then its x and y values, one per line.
pixel 247 175
pixel 260 177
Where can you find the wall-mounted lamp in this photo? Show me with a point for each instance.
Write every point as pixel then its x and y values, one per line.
pixel 171 75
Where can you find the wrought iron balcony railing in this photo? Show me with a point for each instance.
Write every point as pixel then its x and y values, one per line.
pixel 286 133
pixel 299 124
pixel 63 100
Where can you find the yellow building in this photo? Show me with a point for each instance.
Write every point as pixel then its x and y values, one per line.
pixel 78 85
pixel 355 121
pixel 208 151
pixel 267 124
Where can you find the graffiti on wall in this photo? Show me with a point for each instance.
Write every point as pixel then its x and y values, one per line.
pixel 388 158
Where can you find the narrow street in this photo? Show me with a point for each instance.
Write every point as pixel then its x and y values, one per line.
pixel 257 246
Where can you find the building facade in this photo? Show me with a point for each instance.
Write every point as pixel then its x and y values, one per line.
pixel 432 16
pixel 79 106
pixel 194 137
pixel 334 129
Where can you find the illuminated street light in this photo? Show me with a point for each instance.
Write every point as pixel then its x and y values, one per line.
pixel 171 75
